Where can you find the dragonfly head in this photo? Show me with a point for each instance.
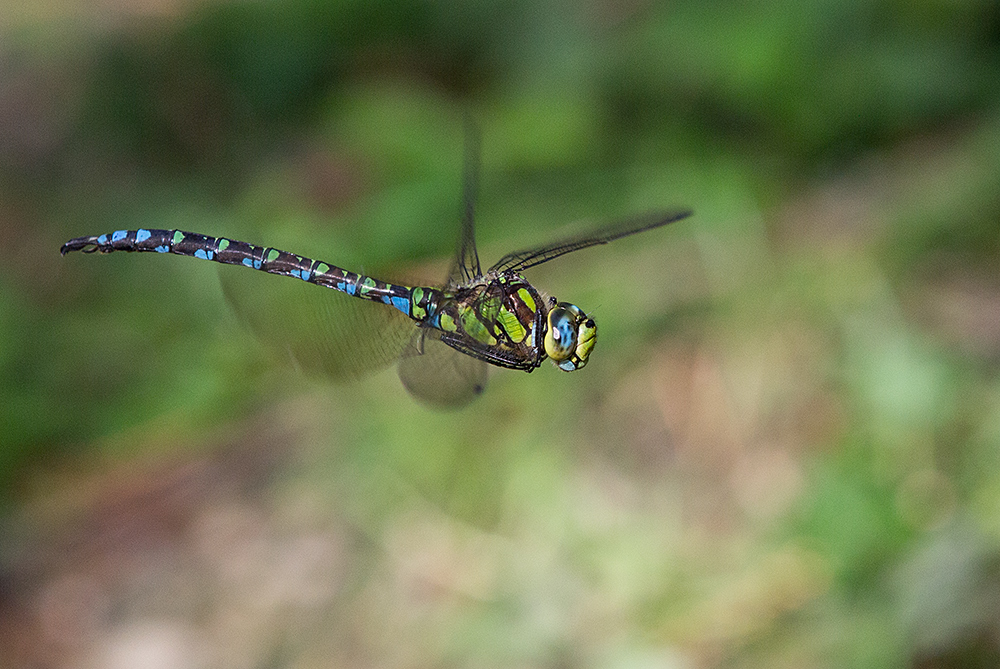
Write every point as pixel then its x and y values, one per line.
pixel 570 337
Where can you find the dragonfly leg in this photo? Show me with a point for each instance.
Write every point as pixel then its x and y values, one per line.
pixel 494 356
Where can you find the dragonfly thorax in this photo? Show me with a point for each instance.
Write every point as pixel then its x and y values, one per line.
pixel 570 336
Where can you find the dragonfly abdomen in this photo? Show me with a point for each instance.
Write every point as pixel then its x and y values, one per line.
pixel 415 303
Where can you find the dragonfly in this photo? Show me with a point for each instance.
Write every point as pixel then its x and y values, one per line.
pixel 475 319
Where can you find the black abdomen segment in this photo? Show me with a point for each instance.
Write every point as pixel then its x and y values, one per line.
pixel 265 259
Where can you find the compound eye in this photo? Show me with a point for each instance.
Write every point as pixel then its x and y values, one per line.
pixel 560 339
pixel 571 336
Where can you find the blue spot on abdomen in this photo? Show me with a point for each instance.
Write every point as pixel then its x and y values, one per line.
pixel 142 235
pixel 402 303
pixel 119 235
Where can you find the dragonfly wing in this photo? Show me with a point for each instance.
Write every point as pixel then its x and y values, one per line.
pixel 465 267
pixel 437 374
pixel 322 331
pixel 521 260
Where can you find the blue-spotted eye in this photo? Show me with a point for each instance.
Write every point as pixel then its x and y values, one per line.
pixel 570 337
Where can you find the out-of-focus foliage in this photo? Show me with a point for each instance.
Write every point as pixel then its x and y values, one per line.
pixel 785 451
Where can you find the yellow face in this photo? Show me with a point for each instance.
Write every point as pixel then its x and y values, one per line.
pixel 570 336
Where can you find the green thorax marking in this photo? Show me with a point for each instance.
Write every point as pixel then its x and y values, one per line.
pixel 477 317
pixel 417 308
pixel 500 311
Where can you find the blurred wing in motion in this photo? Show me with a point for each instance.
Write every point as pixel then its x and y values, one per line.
pixel 437 374
pixel 323 331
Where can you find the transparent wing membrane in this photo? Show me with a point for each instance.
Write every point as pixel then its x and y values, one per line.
pixel 323 331
pixel 522 260
pixel 465 267
pixel 437 374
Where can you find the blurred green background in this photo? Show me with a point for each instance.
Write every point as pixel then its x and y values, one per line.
pixel 784 452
